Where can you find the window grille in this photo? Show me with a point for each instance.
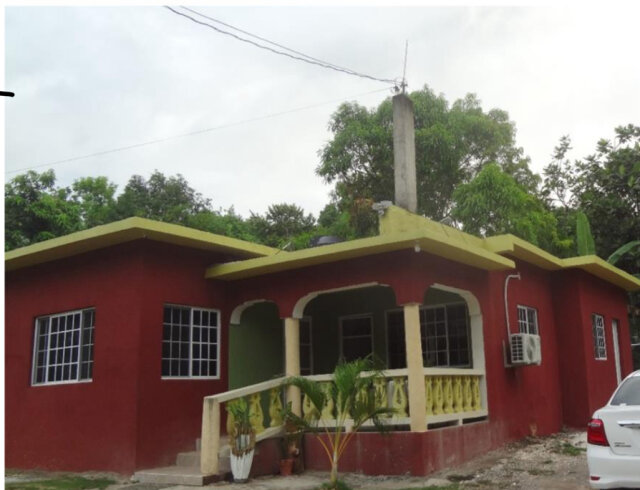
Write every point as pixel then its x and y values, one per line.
pixel 63 348
pixel 190 342
pixel 599 344
pixel 528 320
pixel 356 337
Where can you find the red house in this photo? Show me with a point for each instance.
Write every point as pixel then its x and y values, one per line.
pixel 115 335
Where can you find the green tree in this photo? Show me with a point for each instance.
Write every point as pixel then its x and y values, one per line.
pixel 37 210
pixel 95 199
pixel 604 186
pixel 281 225
pixel 169 199
pixel 453 143
pixel 353 390
pixel 223 222
pixel 494 203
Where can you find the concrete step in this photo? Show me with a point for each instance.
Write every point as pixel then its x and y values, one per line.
pixel 175 475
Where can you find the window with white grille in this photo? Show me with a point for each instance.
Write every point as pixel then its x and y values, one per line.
pixel 63 348
pixel 528 320
pixel 356 337
pixel 599 344
pixel 190 342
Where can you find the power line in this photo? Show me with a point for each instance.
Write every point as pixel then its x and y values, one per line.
pixel 264 39
pixel 306 59
pixel 192 133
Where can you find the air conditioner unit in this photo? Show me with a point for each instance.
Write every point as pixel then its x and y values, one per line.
pixel 525 349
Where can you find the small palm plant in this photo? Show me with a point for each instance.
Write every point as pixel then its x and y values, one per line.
pixel 352 389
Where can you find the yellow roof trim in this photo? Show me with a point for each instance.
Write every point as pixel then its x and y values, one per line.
pixel 438 245
pixel 124 231
pixel 523 250
pixel 604 270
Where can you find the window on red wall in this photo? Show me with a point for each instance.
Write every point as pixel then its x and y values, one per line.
pixel 190 342
pixel 63 348
pixel 528 320
pixel 599 343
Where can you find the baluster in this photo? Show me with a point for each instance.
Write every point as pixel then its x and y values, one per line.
pixel 380 393
pixel 256 416
pixel 448 395
pixel 428 392
pixel 438 395
pixel 399 402
pixel 275 408
pixel 468 397
pixel 327 410
pixel 475 385
pixel 458 400
pixel 308 410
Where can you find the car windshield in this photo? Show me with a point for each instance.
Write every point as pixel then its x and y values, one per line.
pixel 628 393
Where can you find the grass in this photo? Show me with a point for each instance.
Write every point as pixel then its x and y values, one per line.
pixel 458 478
pixel 568 449
pixel 62 483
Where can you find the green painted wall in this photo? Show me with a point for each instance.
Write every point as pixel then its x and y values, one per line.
pixel 256 346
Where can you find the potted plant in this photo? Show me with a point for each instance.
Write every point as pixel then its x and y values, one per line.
pixel 242 439
pixel 293 430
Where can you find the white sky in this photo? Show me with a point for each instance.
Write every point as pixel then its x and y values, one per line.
pixel 89 79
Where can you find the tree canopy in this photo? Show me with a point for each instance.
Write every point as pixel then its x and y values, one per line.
pixel 453 143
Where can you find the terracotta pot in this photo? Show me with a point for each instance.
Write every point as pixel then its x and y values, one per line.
pixel 286 467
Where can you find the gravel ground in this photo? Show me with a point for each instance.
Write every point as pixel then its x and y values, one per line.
pixel 556 462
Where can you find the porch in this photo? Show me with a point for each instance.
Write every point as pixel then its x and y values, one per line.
pixel 432 352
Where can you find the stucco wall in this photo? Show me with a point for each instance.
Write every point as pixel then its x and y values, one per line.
pixel 127 417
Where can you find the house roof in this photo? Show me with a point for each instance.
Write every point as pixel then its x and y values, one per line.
pixel 400 229
pixel 127 230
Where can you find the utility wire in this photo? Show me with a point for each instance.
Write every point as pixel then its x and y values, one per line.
pixel 192 133
pixel 264 39
pixel 306 59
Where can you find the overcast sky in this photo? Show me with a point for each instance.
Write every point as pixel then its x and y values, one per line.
pixel 89 79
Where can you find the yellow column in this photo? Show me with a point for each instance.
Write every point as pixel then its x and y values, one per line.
pixel 415 386
pixel 292 361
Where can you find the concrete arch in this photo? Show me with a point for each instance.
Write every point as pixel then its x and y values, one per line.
pixel 301 304
pixel 477 334
pixel 236 314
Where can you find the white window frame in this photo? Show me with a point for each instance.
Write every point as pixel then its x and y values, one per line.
pixel 356 317
pixel 48 349
pixel 524 325
pixel 308 345
pixel 190 376
pixel 446 321
pixel 598 332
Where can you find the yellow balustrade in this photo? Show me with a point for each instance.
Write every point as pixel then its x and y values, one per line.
pixel 468 396
pixel 399 402
pixel 458 399
pixel 428 392
pixel 475 388
pixel 327 410
pixel 275 408
pixel 256 416
pixel 438 395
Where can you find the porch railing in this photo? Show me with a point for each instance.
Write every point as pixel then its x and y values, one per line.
pixel 452 396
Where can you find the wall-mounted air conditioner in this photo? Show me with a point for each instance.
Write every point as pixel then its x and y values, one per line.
pixel 525 349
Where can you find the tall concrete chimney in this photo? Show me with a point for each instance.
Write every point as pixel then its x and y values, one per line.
pixel 404 153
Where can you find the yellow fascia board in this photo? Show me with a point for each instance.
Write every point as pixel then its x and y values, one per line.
pixel 604 270
pixel 441 246
pixel 523 250
pixel 127 230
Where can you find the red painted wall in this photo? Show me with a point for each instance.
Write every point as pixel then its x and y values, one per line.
pixel 126 418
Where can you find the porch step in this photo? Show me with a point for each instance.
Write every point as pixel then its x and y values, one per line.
pixel 192 460
pixel 175 475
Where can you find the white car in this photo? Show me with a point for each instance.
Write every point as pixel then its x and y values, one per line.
pixel 613 437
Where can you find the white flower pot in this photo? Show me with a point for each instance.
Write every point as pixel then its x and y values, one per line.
pixel 241 465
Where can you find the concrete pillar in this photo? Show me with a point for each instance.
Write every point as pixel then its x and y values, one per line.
pixel 415 385
pixel 292 361
pixel 210 437
pixel 404 153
